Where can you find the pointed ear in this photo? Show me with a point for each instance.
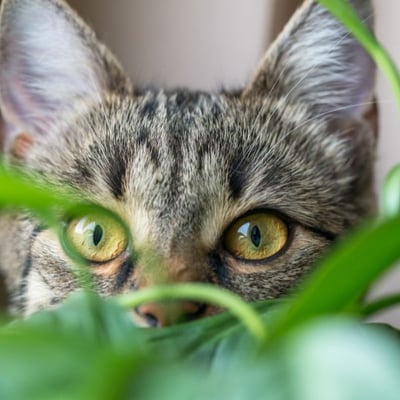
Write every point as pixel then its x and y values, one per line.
pixel 49 59
pixel 316 61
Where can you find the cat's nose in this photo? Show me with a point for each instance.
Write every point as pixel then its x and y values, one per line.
pixel 157 315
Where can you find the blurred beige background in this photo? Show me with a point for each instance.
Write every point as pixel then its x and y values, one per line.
pixel 213 44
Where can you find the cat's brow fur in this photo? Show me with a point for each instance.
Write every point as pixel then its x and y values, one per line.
pixel 180 166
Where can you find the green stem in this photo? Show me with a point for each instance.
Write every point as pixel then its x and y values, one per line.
pixel 346 14
pixel 204 293
pixel 380 305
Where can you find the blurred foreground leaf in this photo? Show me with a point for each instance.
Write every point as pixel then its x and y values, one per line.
pixel 337 284
pixel 18 191
pixel 71 353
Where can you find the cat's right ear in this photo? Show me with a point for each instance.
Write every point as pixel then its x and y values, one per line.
pixel 317 62
pixel 49 59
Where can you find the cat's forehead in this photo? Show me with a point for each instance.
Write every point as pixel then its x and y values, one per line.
pixel 189 160
pixel 192 117
pixel 172 154
pixel 184 142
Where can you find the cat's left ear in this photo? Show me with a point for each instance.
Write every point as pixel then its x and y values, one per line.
pixel 316 61
pixel 49 59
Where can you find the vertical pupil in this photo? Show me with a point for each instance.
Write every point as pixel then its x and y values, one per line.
pixel 97 234
pixel 255 236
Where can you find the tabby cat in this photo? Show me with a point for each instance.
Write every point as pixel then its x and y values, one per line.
pixel 244 190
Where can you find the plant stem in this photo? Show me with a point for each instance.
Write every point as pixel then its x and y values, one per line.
pixel 204 293
pixel 380 305
pixel 346 14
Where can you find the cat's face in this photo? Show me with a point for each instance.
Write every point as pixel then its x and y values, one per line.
pixel 240 190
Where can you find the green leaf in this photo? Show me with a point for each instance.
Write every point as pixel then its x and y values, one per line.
pixel 94 319
pixel 40 365
pixel 339 359
pixel 55 353
pixel 17 191
pixel 329 359
pixel 201 340
pixel 89 348
pixel 344 276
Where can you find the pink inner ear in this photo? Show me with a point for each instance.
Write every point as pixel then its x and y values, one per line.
pixel 23 106
pixel 21 145
pixel 45 65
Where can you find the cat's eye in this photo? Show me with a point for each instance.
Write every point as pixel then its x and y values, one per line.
pixel 256 237
pixel 97 237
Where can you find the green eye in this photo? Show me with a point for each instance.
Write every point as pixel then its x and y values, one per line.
pixel 97 237
pixel 256 237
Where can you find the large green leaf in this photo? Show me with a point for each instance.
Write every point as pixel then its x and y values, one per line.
pixel 330 360
pixel 68 350
pixel 104 321
pixel 89 349
pixel 17 190
pixel 344 276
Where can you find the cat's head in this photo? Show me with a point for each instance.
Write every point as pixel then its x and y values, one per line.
pixel 242 190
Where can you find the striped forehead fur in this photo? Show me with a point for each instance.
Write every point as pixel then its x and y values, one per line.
pixel 175 169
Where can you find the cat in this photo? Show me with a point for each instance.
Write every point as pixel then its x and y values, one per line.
pixel 244 190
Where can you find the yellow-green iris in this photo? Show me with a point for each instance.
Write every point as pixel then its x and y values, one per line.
pixel 256 236
pixel 97 237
